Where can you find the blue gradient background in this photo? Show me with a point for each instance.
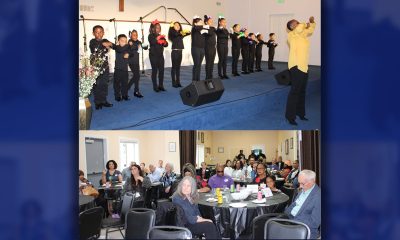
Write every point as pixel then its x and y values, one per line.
pixel 38 128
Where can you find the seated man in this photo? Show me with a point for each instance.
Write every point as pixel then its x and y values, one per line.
pixel 291 179
pixel 219 180
pixel 154 174
pixel 307 205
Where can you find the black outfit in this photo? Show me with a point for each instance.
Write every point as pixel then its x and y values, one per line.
pixel 271 52
pixel 210 51
pixel 259 47
pixel 100 89
pixel 198 43
pixel 222 50
pixel 295 104
pixel 176 56
pixel 133 61
pixel 207 228
pixel 207 173
pixel 241 155
pixel 245 54
pixel 252 53
pixel 156 54
pixel 120 72
pixel 235 52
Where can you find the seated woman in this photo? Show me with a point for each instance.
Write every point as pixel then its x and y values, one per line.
pixel 167 179
pixel 186 196
pixel 271 184
pixel 228 170
pixel 137 183
pixel 83 182
pixel 285 171
pixel 261 174
pixel 189 170
pixel 111 175
pixel 238 171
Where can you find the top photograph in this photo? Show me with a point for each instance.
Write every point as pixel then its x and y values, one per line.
pixel 204 65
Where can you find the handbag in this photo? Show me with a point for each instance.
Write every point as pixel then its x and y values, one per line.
pixel 90 191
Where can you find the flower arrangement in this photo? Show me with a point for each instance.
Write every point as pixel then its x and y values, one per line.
pixel 90 67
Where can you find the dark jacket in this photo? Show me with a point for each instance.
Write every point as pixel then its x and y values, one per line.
pixel 259 47
pixel 244 41
pixel 156 49
pixel 207 173
pixel 236 42
pixel 176 38
pixel 310 211
pixel 191 211
pixel 271 45
pixel 210 38
pixel 133 51
pixel 121 63
pixel 140 188
pixel 222 36
pixel 97 46
pixel 198 39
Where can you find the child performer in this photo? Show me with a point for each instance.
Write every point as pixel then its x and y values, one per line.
pixel 121 69
pixel 198 44
pixel 176 35
pixel 210 42
pixel 100 45
pixel 252 51
pixel 271 44
pixel 245 51
pixel 133 61
pixel 236 44
pixel 156 54
pixel 259 47
pixel 222 47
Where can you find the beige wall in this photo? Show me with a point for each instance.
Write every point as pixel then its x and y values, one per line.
pixel 153 146
pixel 282 136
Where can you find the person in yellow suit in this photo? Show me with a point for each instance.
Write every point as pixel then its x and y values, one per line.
pixel 299 51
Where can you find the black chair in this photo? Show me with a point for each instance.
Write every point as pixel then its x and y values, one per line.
pixel 291 192
pixel 163 216
pixel 277 228
pixel 90 223
pixel 259 223
pixel 119 223
pixel 169 232
pixel 138 222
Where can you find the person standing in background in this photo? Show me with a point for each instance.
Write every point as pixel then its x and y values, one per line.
pixel 209 48
pixel 271 44
pixel 235 37
pixel 222 47
pixel 156 53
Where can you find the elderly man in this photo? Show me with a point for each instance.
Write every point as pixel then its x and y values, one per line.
pixel 299 51
pixel 307 205
pixel 219 180
pixel 154 174
pixel 291 179
pixel 160 166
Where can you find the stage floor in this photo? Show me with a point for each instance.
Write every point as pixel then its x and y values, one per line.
pixel 253 101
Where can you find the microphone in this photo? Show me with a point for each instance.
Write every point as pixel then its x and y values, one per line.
pixel 112 19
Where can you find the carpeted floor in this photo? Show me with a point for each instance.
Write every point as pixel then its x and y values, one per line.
pixel 253 101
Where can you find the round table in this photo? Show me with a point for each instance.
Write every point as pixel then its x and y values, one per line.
pixel 233 222
pixel 85 202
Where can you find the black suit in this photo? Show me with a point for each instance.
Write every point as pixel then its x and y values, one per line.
pixel 100 89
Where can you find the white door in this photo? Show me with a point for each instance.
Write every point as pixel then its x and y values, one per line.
pixel 278 26
pixel 199 154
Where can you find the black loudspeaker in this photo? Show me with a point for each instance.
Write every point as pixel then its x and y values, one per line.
pixel 202 92
pixel 283 78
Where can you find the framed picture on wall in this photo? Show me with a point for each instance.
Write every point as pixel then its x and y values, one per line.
pixel 287 146
pixel 202 137
pixel 172 146
pixel 208 150
pixel 220 150
pixel 291 143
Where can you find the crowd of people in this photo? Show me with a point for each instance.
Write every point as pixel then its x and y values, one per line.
pixel 184 188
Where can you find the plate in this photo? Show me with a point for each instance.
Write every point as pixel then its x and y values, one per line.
pixel 260 201
pixel 238 205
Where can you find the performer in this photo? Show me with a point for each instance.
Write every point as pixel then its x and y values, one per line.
pixel 222 47
pixel 133 60
pixel 176 35
pixel 245 51
pixel 198 44
pixel 210 42
pixel 156 54
pixel 235 37
pixel 121 69
pixel 259 47
pixel 299 47
pixel 252 50
pixel 271 44
pixel 101 46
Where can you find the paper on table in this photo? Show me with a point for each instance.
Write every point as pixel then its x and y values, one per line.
pixel 252 187
pixel 267 192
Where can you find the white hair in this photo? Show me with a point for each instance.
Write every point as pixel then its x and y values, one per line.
pixel 171 166
pixel 308 174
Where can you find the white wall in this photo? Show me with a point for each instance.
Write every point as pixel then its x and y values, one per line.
pixel 253 14
pixel 153 146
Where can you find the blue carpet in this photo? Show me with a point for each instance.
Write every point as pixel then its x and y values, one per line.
pixel 253 101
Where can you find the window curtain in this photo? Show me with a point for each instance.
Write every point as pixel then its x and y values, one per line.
pixel 310 152
pixel 187 145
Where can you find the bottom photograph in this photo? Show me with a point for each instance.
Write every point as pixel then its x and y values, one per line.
pixel 199 184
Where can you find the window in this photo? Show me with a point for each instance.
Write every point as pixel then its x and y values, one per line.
pixel 199 154
pixel 128 152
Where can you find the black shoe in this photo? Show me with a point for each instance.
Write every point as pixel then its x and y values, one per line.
pixel 236 74
pixel 137 94
pixel 107 104
pixel 174 85
pixel 259 70
pixel 292 122
pixel 156 89
pixel 161 89
pixel 126 98
pixel 245 73
pixel 226 77
pixel 251 71
pixel 221 77
pixel 99 106
pixel 118 99
pixel 303 118
pixel 179 85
